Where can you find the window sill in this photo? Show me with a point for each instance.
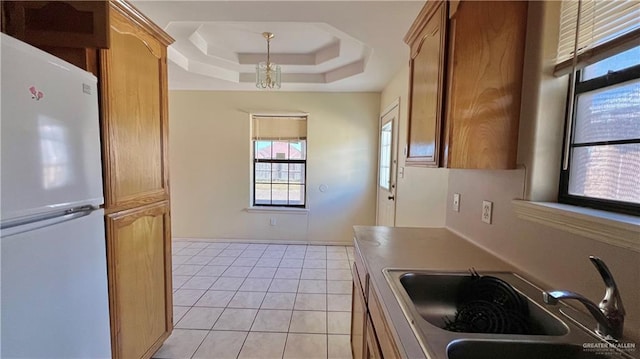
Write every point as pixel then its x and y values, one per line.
pixel 283 210
pixel 613 228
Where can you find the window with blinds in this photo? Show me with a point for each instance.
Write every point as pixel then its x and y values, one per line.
pixel 279 160
pixel 606 27
pixel 602 144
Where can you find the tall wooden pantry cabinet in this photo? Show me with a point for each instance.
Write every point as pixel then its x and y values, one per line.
pixel 128 54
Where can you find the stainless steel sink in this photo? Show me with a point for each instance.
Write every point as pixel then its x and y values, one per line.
pixel 428 297
pixel 475 349
pixel 434 297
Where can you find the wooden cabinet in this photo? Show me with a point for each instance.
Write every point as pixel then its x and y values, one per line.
pixel 139 270
pixel 370 333
pixel 372 350
pixel 134 117
pixel 77 24
pixel 128 54
pixel 133 83
pixel 487 40
pixel 427 39
pixel 481 52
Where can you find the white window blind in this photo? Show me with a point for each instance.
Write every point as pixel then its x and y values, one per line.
pixel 601 23
pixel 279 127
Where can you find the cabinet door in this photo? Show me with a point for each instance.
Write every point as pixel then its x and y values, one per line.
pixel 358 317
pixel 426 89
pixel 139 266
pixel 134 116
pixel 372 350
pixel 485 64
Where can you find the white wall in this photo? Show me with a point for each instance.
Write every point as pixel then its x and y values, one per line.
pixel 421 192
pixel 210 165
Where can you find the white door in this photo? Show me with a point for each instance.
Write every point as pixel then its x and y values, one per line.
pixel 387 166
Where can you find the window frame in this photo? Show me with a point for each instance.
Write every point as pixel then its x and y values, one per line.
pixel 611 79
pixel 256 161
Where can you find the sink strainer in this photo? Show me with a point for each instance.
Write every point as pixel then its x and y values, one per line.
pixel 488 304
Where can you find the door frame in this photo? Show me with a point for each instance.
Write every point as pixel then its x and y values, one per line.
pixel 394 106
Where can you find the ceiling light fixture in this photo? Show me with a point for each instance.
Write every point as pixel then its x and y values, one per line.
pixel 268 73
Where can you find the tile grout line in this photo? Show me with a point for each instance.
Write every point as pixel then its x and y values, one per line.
pixel 298 277
pixel 295 298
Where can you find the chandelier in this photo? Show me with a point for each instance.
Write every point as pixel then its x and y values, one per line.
pixel 268 73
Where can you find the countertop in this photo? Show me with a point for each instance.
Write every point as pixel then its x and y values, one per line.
pixel 415 248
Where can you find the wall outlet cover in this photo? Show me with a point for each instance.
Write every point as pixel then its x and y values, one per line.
pixel 456 202
pixel 487 211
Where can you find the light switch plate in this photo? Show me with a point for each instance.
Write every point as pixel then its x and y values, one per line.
pixel 487 211
pixel 456 202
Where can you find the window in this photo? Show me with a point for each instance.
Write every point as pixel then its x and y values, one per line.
pixel 602 146
pixel 279 161
pixel 385 155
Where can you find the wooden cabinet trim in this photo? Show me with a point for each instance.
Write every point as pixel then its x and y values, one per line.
pixel 425 15
pixel 131 12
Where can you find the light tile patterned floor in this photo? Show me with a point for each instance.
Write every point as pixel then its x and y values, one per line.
pixel 263 301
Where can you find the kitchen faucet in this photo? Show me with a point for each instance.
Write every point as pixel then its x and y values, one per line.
pixel 610 312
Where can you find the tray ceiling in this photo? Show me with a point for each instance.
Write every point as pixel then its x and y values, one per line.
pixel 320 45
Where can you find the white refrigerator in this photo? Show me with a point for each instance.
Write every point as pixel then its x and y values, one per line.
pixel 54 301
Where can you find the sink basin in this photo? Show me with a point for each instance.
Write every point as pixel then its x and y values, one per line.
pixel 475 349
pixel 428 300
pixel 435 297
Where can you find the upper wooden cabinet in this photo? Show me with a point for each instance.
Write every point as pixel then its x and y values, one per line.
pixel 427 39
pixel 487 40
pixel 134 122
pixel 76 24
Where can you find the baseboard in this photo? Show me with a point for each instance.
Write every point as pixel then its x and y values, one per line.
pixel 263 241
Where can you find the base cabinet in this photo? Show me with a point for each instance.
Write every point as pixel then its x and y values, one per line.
pixel 358 319
pixel 372 349
pixel 370 334
pixel 139 259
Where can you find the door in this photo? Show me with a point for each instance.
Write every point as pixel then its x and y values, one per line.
pixel 54 288
pixel 134 89
pixel 358 319
pixel 50 150
pixel 387 166
pixel 140 279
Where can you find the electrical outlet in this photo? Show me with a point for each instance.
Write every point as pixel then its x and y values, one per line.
pixel 272 221
pixel 456 202
pixel 487 209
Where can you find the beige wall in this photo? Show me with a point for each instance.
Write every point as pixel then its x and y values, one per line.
pixel 554 258
pixel 421 192
pixel 211 166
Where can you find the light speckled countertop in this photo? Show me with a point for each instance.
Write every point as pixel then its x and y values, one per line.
pixel 415 248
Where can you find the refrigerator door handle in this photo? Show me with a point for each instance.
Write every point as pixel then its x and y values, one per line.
pixel 49 219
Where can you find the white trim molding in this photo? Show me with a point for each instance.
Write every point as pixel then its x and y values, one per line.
pixel 270 209
pixel 612 228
